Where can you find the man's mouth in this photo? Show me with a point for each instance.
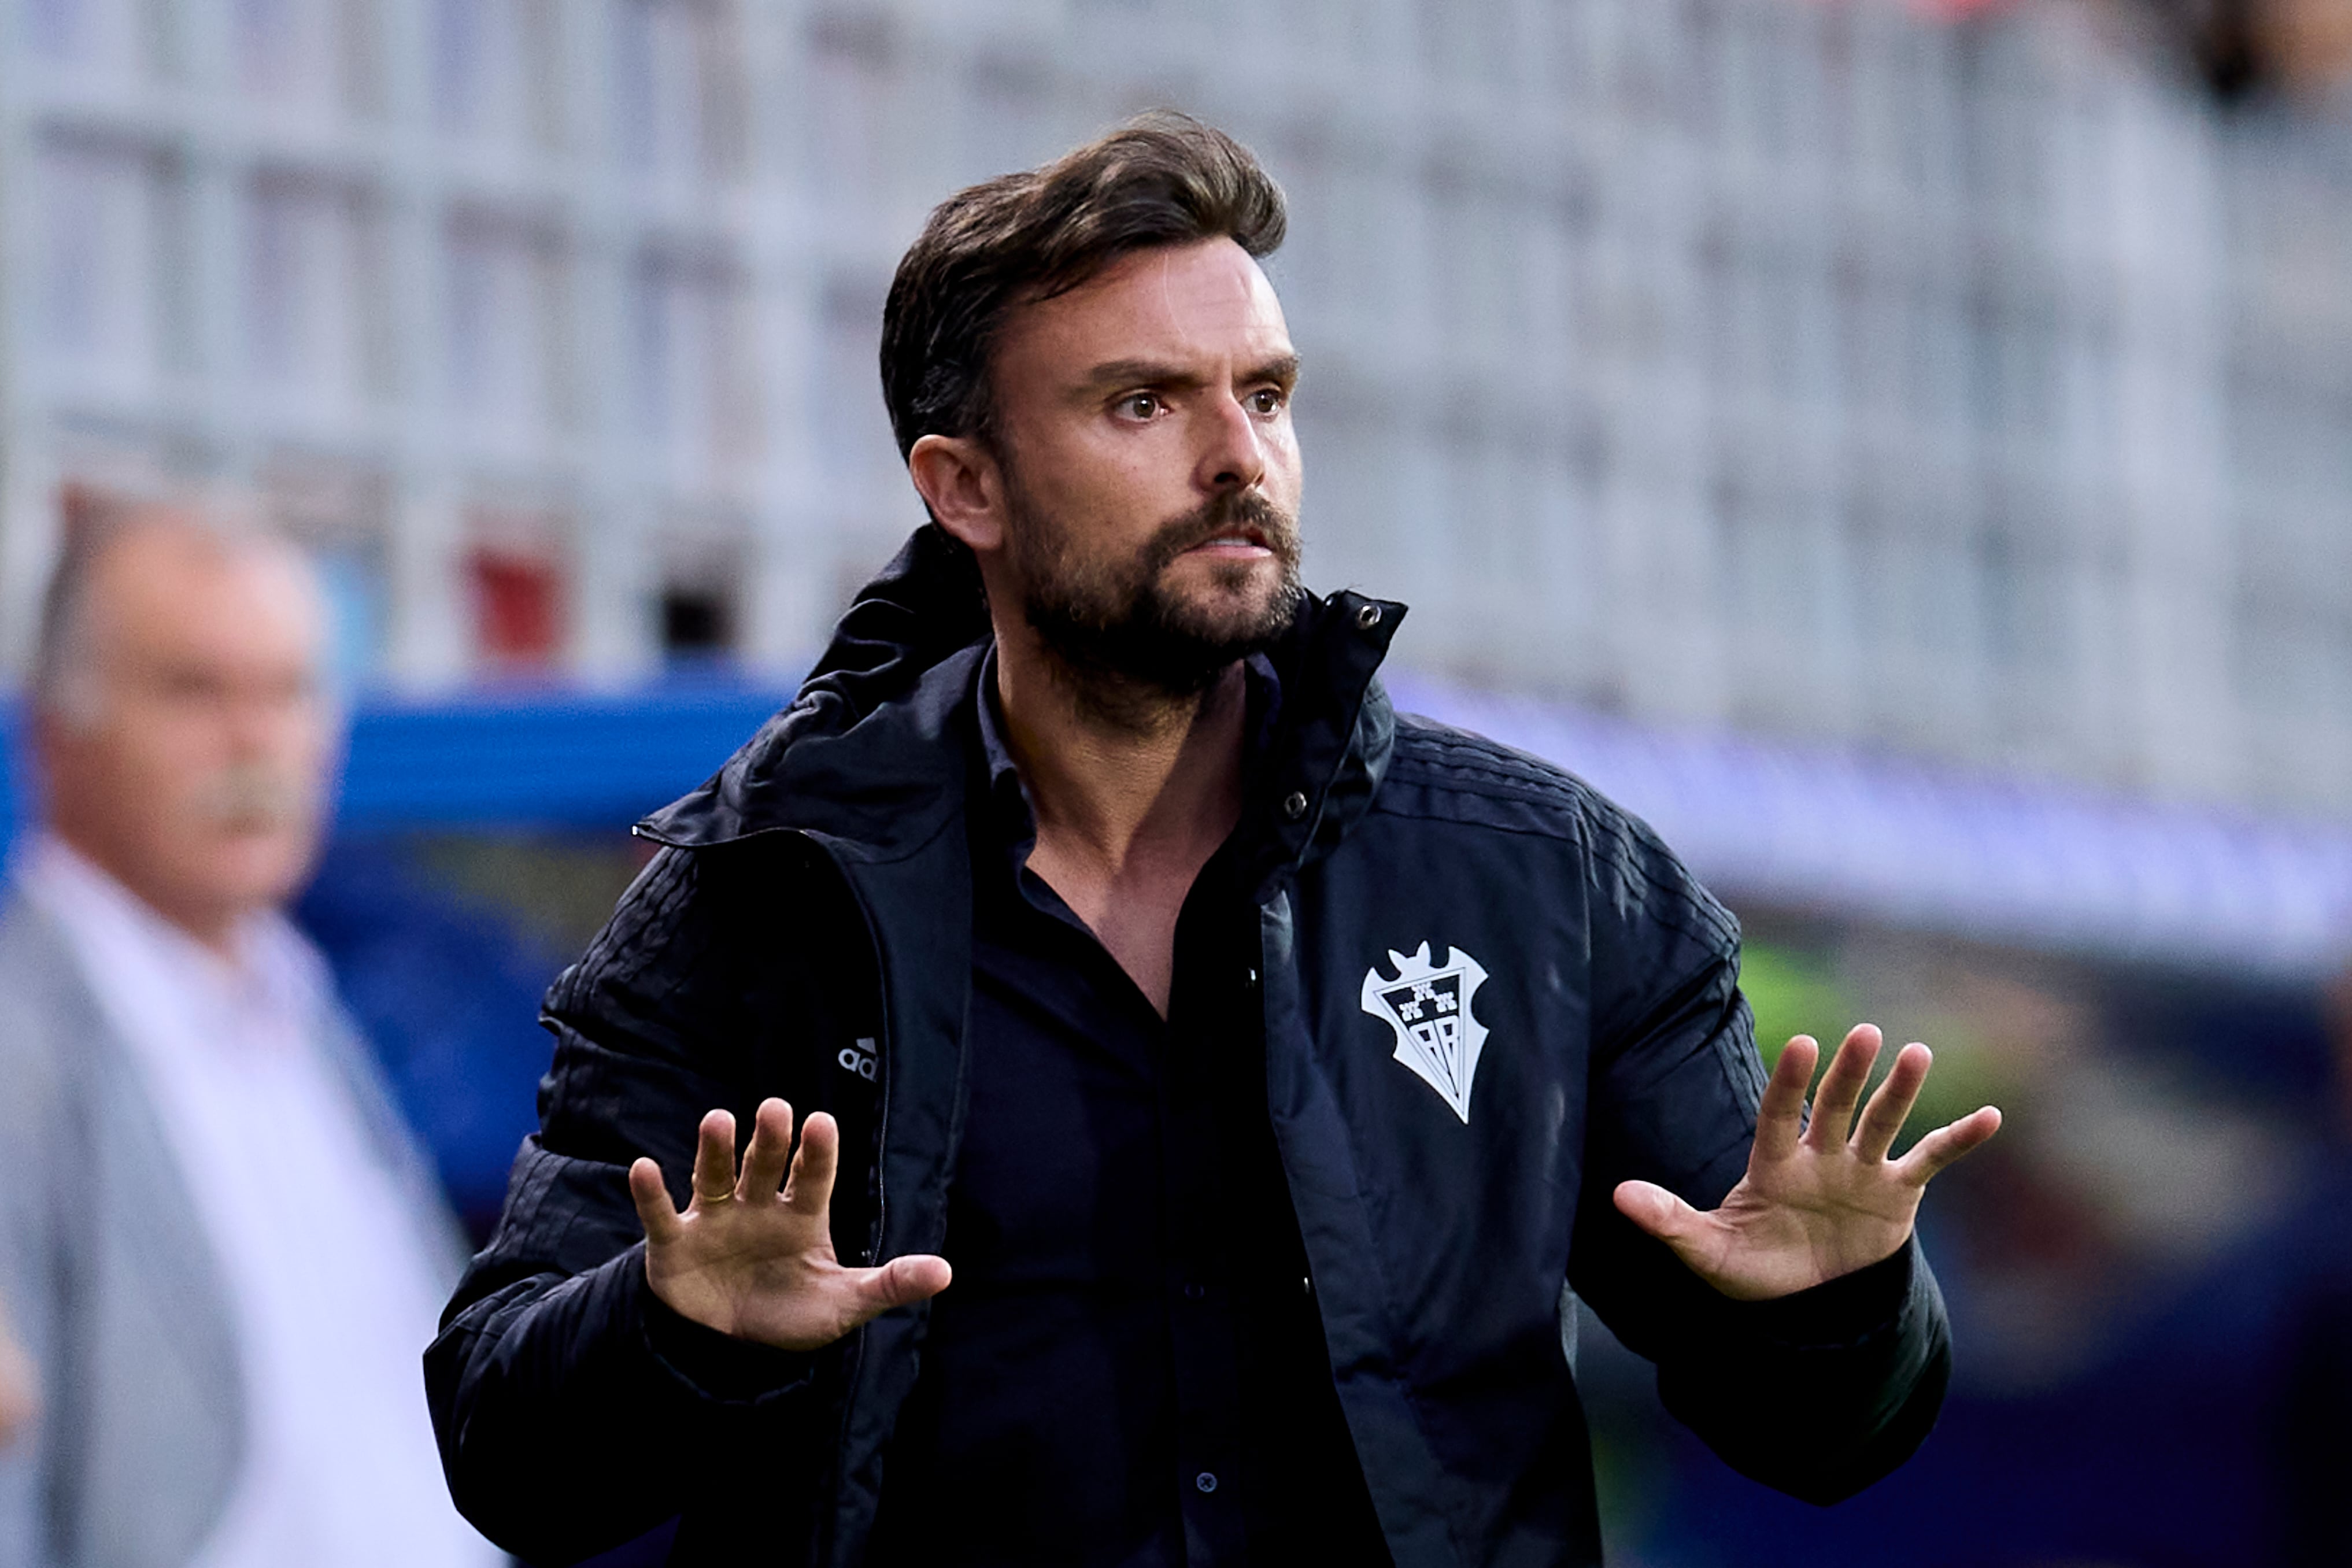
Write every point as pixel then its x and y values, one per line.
pixel 1239 542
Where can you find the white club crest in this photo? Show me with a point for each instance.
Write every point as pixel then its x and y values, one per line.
pixel 1428 1006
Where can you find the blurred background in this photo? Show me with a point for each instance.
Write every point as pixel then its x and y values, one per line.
pixel 1902 449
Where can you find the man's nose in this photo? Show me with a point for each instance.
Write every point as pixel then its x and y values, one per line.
pixel 259 723
pixel 1232 454
pixel 253 729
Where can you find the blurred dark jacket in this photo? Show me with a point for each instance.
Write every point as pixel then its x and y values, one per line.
pixel 815 900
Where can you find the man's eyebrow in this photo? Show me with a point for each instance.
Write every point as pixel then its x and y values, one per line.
pixel 1136 373
pixel 1282 369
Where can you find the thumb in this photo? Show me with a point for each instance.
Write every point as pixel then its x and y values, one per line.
pixel 1656 1210
pixel 899 1281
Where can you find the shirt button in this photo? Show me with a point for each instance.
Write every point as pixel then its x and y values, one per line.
pixel 1294 805
pixel 1205 1481
pixel 1195 1291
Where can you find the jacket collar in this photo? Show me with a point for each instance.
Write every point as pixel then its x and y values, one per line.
pixel 871 752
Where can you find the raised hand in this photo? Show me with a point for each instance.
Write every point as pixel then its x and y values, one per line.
pixel 757 1263
pixel 1817 1201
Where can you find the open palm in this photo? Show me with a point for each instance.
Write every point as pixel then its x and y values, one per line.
pixel 757 1263
pixel 1820 1199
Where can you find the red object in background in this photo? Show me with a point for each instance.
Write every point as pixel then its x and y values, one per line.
pixel 517 608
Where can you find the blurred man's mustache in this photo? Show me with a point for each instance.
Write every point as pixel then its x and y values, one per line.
pixel 252 798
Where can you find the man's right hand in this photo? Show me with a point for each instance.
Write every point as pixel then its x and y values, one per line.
pixel 757 1263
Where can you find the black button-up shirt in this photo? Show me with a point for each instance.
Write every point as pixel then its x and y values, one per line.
pixel 1129 1367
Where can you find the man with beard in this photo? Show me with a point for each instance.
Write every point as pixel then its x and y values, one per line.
pixel 217 1246
pixel 1211 1082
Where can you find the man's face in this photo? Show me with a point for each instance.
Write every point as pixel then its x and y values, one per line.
pixel 1151 472
pixel 192 760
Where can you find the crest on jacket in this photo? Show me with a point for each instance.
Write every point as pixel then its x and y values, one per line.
pixel 1428 1006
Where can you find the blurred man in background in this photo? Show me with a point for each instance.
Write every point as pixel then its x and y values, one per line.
pixel 217 1246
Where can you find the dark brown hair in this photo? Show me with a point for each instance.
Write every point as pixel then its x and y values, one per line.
pixel 1162 178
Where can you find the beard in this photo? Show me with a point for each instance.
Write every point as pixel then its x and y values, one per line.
pixel 1117 628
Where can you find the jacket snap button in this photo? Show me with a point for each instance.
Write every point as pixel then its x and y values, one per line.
pixel 1368 616
pixel 1205 1481
pixel 1294 805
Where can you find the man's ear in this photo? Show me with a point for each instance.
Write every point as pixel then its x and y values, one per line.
pixel 960 482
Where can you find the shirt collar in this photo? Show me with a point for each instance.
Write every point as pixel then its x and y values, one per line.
pixel 1008 793
pixel 1008 796
pixel 273 973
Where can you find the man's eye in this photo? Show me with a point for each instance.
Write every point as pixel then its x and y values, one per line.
pixel 1268 400
pixel 1140 404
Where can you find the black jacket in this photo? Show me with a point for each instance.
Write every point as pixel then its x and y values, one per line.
pixel 806 933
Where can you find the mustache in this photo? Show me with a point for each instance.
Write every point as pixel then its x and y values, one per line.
pixel 1222 514
pixel 251 797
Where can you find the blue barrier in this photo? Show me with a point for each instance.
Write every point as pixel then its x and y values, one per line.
pixel 560 759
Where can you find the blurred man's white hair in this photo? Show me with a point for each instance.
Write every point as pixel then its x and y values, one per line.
pixel 65 654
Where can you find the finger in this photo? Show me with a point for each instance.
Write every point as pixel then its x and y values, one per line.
pixel 810 1191
pixel 1889 1109
pixel 652 1198
pixel 897 1282
pixel 1780 1118
pixel 771 1152
pixel 1657 1211
pixel 714 1160
pixel 1841 1087
pixel 1939 1149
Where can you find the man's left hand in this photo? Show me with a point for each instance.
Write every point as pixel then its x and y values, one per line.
pixel 1818 1201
